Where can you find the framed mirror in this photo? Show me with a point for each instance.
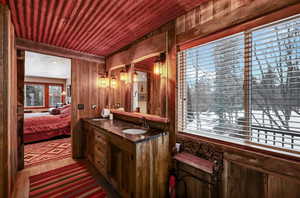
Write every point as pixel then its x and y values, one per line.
pixel 143 89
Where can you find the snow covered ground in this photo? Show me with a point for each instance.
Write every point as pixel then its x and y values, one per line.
pixel 262 131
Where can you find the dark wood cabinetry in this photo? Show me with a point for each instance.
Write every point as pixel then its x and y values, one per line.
pixel 135 169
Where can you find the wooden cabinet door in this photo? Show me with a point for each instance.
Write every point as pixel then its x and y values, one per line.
pixel 100 152
pixel 121 170
pixel 89 143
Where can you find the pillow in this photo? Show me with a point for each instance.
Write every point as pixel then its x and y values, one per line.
pixel 54 111
pixel 65 111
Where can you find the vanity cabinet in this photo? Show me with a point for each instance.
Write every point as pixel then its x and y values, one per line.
pixel 100 153
pixel 96 149
pixel 134 169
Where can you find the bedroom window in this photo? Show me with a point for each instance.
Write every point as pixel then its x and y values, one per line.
pixel 42 95
pixel 34 95
pixel 55 95
pixel 245 87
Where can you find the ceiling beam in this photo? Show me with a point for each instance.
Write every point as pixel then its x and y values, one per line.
pixel 28 45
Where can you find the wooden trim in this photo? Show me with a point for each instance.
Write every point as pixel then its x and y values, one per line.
pixel 269 18
pixel 43 48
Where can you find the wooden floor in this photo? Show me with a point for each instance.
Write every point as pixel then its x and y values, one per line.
pixel 21 189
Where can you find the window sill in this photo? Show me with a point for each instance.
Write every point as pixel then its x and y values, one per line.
pixel 245 146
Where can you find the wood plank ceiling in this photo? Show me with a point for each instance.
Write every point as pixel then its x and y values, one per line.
pixel 97 27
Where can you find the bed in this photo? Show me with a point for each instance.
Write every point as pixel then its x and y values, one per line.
pixel 43 126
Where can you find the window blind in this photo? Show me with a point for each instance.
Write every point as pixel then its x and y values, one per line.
pixel 244 87
pixel 275 109
pixel 210 81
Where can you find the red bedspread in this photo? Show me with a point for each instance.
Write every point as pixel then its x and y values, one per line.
pixel 45 127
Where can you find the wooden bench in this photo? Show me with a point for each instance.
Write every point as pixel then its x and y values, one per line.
pixel 200 161
pixel 194 161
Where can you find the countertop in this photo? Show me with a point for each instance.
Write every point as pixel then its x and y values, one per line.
pixel 116 126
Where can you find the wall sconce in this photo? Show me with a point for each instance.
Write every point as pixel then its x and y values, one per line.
pixel 123 75
pixel 103 81
pixel 135 76
pixel 63 93
pixel 113 82
pixel 158 70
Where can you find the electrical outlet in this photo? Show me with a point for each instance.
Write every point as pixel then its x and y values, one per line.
pixel 80 106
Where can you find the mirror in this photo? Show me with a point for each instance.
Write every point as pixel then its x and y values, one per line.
pixel 120 88
pixel 143 90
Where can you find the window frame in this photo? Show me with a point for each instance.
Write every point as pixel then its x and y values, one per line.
pixel 46 94
pixel 246 28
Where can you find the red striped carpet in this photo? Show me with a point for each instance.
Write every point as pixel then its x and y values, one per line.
pixel 38 153
pixel 66 182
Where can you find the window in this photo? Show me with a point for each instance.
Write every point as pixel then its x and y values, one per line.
pixel 34 95
pixel 244 87
pixel 42 95
pixel 55 94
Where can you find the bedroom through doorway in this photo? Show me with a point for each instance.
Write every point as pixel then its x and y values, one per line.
pixel 47 108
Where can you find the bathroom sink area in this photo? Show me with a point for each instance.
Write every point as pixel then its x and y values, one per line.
pixel 134 131
pixel 98 119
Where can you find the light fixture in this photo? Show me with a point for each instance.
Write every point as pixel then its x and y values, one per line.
pixel 158 69
pixel 103 81
pixel 123 75
pixel 63 93
pixel 113 82
pixel 135 76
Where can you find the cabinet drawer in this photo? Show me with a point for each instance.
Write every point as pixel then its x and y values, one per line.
pixel 100 165
pixel 100 147
pixel 100 138
pixel 100 154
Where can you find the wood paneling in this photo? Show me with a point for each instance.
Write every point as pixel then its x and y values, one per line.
pixel 85 91
pixel 244 182
pixel 93 26
pixel 281 187
pixel 171 82
pixel 56 51
pixel 221 14
pixel 152 45
pixel 8 104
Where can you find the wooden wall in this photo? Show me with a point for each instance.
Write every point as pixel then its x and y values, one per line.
pixel 247 172
pixel 217 15
pixel 8 104
pixel 86 91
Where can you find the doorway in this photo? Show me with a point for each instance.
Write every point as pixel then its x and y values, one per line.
pixel 46 101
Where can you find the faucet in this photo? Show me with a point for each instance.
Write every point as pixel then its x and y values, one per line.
pixel 145 123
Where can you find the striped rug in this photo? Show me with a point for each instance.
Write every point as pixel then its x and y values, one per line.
pixel 66 182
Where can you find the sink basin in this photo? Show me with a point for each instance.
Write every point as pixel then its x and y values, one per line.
pixel 134 131
pixel 98 119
